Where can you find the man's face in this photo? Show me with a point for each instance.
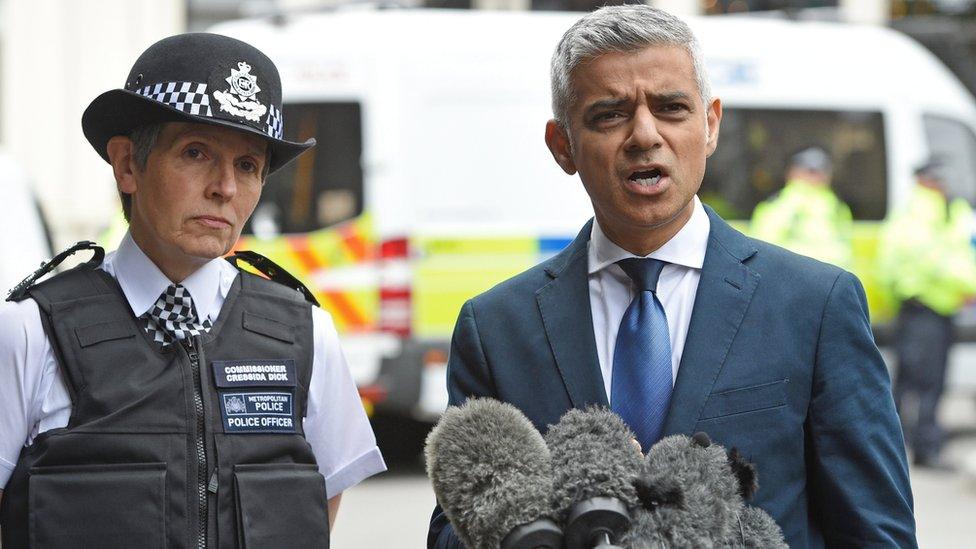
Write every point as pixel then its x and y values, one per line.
pixel 638 135
pixel 933 183
pixel 199 187
pixel 813 177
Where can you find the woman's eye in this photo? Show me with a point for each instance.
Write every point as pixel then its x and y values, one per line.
pixel 248 166
pixel 194 153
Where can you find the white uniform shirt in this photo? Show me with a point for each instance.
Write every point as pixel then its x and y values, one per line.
pixel 34 399
pixel 611 290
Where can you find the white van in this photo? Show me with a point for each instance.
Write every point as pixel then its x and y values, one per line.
pixel 431 181
pixel 24 238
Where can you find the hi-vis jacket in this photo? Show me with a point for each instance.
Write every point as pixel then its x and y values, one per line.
pixel 807 219
pixel 199 444
pixel 926 251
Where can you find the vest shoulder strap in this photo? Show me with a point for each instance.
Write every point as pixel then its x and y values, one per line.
pixel 273 271
pixel 81 282
pixel 62 285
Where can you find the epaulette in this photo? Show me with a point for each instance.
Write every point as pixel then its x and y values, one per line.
pixel 273 271
pixel 19 292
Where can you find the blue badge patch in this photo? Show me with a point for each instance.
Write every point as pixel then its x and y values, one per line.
pixel 255 373
pixel 258 412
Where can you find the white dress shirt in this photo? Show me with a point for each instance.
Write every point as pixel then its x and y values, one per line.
pixel 34 399
pixel 611 290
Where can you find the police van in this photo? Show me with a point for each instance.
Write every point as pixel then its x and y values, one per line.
pixel 24 237
pixel 431 181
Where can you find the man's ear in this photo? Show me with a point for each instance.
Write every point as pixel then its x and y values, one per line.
pixel 120 154
pixel 713 119
pixel 558 142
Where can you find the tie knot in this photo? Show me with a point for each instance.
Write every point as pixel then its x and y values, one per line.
pixel 644 271
pixel 178 301
pixel 173 316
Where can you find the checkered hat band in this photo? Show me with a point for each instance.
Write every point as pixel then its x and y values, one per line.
pixel 192 98
pixel 174 317
pixel 273 125
pixel 189 97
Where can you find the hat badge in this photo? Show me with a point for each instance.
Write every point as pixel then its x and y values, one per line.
pixel 241 99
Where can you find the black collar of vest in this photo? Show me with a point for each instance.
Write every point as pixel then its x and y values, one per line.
pixel 273 271
pixel 19 292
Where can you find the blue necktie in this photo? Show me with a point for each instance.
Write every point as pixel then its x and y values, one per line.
pixel 640 389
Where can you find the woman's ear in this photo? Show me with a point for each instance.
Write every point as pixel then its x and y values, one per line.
pixel 120 155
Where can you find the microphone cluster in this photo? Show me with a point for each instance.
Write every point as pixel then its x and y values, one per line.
pixel 587 485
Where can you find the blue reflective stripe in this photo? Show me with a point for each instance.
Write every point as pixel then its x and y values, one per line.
pixel 553 245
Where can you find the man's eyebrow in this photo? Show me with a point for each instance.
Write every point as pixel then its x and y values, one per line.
pixel 668 97
pixel 617 102
pixel 611 103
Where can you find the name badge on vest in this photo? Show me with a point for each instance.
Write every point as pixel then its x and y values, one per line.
pixel 255 373
pixel 248 404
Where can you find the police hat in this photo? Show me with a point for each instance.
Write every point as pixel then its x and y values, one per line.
pixel 196 77
pixel 933 168
pixel 812 158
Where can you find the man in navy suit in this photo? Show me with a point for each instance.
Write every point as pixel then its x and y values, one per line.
pixel 766 350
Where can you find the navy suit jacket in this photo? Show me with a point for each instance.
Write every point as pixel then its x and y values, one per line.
pixel 779 361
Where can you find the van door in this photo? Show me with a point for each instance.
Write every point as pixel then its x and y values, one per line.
pixel 750 162
pixel 310 218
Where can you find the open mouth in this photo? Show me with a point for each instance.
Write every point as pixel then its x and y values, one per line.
pixel 647 177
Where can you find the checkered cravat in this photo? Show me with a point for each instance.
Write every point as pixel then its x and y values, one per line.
pixel 173 316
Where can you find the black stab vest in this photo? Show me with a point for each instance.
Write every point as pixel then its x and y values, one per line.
pixel 127 471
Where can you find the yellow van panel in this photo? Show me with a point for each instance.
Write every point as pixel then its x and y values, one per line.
pixel 448 272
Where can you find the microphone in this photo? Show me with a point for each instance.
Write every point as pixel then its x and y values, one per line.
pixel 693 494
pixel 595 464
pixel 492 474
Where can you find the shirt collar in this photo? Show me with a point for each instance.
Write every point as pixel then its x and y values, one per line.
pixel 686 248
pixel 142 282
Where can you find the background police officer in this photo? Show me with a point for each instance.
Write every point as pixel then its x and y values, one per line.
pixel 928 262
pixel 806 216
pixel 162 397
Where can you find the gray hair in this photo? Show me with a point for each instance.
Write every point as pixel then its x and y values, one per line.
pixel 619 29
pixel 143 140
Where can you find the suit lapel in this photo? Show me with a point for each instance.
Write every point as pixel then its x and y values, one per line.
pixel 724 292
pixel 564 304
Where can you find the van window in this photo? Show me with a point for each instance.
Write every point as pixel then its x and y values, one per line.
pixel 755 145
pixel 954 144
pixel 323 186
